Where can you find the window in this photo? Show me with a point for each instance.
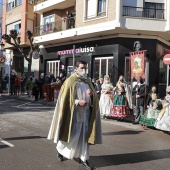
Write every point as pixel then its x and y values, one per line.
pixel 154 10
pixel 162 72
pixel 18 2
pixel 91 7
pixel 95 8
pixel 13 3
pixel 17 27
pixel 103 66
pixel 30 1
pixel 48 23
pixel 53 67
pixel 101 7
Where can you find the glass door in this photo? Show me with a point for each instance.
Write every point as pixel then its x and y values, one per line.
pixel 53 67
pixel 103 66
pixel 127 72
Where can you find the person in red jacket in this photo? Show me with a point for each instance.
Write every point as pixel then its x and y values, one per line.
pixel 17 85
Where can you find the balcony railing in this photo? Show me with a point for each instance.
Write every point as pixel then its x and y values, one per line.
pixel 60 25
pixel 143 12
pixel 39 1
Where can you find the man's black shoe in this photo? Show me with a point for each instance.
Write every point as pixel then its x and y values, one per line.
pixel 85 165
pixel 134 123
pixel 60 157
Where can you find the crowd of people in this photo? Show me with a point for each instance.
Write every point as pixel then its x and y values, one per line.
pixel 82 102
pixel 141 104
pixel 30 85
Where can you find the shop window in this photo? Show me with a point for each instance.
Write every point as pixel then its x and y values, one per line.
pixel 53 67
pixel 103 66
pixel 162 72
pixel 70 69
pixel 127 72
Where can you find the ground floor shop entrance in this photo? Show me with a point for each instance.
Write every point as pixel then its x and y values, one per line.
pixel 103 66
pixel 53 67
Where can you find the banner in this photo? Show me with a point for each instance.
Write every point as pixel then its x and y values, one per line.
pixel 137 64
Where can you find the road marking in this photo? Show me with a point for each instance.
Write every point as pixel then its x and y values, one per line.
pixel 6 143
pixel 22 104
pixel 35 104
pixel 1 102
pixel 34 107
pixel 30 105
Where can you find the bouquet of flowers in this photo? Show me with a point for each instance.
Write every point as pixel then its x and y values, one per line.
pixel 64 18
pixel 167 98
pixel 168 89
pixel 157 103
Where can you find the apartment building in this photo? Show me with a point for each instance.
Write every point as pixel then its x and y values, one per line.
pixel 103 32
pixel 19 15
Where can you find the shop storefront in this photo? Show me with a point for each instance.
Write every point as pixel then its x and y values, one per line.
pixel 106 56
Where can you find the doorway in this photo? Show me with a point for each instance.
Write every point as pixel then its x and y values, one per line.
pixel 103 66
pixel 53 67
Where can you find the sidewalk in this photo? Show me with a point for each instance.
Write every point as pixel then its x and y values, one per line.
pixel 25 97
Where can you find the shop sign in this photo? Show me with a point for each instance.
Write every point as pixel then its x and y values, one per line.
pixel 137 64
pixel 166 59
pixel 77 51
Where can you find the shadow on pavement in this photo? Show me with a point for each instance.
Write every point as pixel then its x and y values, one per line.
pixel 3 146
pixel 24 137
pixel 129 158
pixel 125 132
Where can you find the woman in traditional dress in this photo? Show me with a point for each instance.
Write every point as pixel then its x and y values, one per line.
pixel 121 100
pixel 163 119
pixel 154 106
pixel 106 98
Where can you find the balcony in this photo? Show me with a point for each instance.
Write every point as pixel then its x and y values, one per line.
pixel 143 12
pixel 59 25
pixel 41 6
pixel 36 2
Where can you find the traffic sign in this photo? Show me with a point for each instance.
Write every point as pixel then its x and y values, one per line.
pixel 166 59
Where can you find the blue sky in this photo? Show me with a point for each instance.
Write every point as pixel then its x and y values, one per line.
pixel 1 1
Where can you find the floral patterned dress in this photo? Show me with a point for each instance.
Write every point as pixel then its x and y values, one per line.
pixel 163 119
pixel 120 108
pixel 151 114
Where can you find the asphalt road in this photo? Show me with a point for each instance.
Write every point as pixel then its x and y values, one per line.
pixel 24 126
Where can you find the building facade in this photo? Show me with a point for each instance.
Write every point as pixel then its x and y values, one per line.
pixel 19 15
pixel 103 33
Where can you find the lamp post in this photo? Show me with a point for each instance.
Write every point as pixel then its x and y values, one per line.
pixel 1 61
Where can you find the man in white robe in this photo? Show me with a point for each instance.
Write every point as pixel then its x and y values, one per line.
pixel 85 126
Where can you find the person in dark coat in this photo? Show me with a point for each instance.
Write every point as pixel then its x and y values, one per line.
pixel 36 89
pixel 12 83
pixel 41 82
pixel 141 96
